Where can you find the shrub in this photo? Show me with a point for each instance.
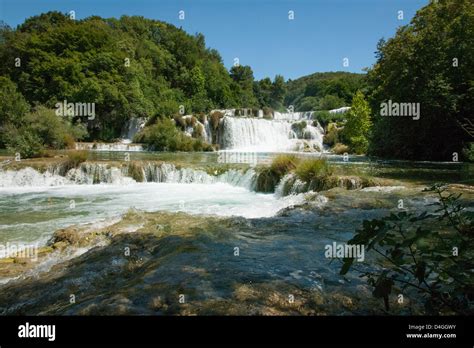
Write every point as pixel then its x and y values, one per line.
pixel 298 127
pixel 160 136
pixel 42 129
pixel 269 177
pixel 359 144
pixel 164 136
pixel 198 131
pixel 340 149
pixel 199 145
pixel 74 159
pixel 325 117
pixel 283 164
pixel 313 169
pixel 420 258
pixel 332 135
pixel 215 119
pixel 468 152
pixel 267 112
pixel 168 108
pixel 13 107
pixel 22 141
pixel 135 171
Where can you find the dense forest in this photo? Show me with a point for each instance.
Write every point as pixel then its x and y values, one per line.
pixel 136 67
pixel 430 62
pixel 129 67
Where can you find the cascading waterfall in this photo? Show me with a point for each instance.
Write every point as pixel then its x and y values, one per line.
pixel 290 185
pixel 132 128
pixel 263 135
pixel 100 173
pixel 255 134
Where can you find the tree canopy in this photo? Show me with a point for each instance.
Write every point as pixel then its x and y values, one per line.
pixel 430 62
pixel 323 91
pixel 129 67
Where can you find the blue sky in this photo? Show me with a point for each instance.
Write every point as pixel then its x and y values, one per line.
pixel 258 32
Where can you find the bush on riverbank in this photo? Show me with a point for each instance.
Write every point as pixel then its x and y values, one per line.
pixel 269 177
pixel 283 164
pixel 313 169
pixel 310 175
pixel 340 149
pixel 325 117
pixel 164 136
pixel 40 130
pixel 73 160
pixel 332 135
pixel 135 171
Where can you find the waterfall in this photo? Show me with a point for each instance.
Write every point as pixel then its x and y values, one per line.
pixel 30 177
pixel 103 173
pixel 340 110
pixel 167 172
pixel 133 126
pixel 262 135
pixel 255 134
pixel 290 185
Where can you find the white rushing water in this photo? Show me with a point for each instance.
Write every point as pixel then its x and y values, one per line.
pixel 101 173
pixel 253 134
pixel 134 125
pixel 33 205
pixel 262 135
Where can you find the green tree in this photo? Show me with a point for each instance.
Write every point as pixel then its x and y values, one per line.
pixel 357 128
pixel 277 92
pixel 42 129
pixel 13 106
pixel 329 102
pixel 243 87
pixel 263 91
pixel 428 62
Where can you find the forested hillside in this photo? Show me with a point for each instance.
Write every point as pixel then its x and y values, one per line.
pixel 324 91
pixel 129 67
pixel 132 67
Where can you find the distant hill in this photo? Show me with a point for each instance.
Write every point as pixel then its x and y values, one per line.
pixel 323 91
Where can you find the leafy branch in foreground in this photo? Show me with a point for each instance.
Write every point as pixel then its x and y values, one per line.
pixel 431 253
